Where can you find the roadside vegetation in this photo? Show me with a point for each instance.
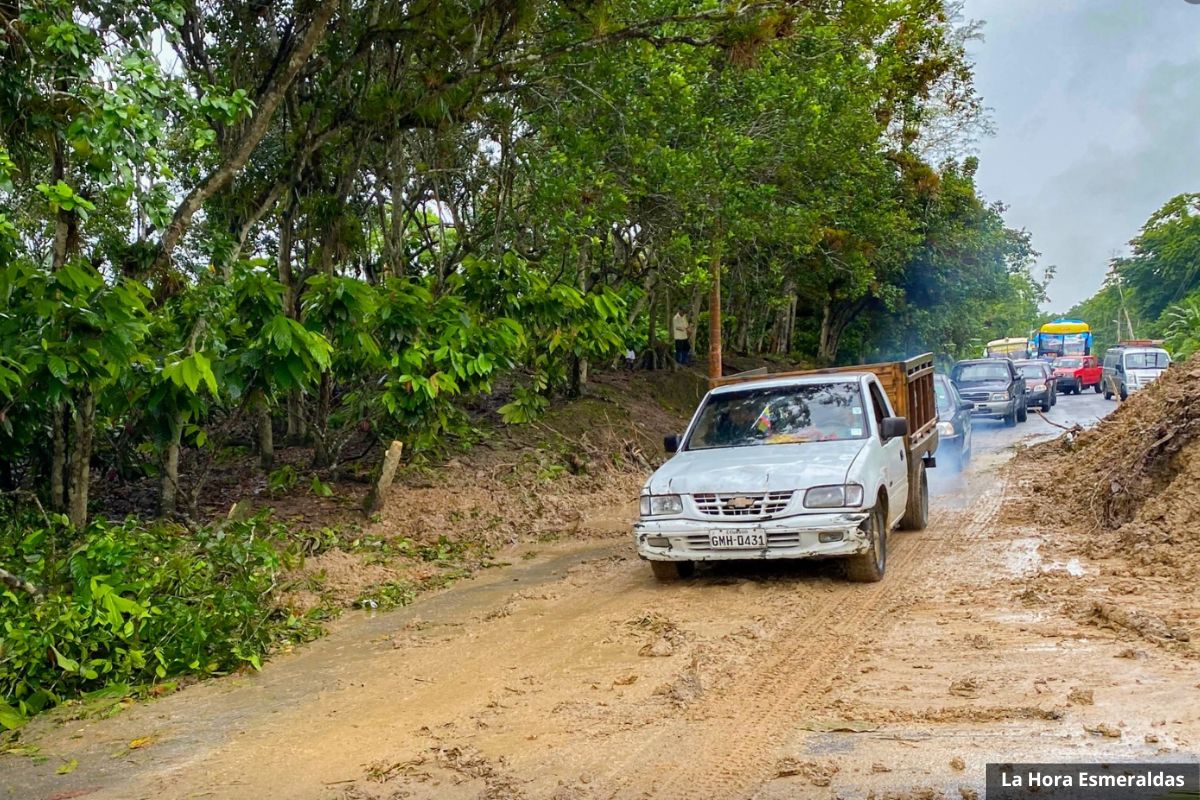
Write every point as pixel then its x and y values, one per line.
pixel 241 246
pixel 1154 293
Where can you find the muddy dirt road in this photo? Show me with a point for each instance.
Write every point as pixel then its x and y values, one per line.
pixel 572 674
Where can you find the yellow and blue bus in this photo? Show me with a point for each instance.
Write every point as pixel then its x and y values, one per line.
pixel 1064 337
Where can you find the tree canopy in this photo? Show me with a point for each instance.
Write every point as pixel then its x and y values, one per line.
pixel 318 218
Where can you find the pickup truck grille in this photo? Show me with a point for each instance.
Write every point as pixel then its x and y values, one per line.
pixel 741 505
pixel 975 397
pixel 698 541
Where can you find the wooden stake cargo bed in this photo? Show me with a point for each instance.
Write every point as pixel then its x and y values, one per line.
pixel 909 386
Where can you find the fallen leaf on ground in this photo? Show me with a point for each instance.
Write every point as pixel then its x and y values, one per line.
pixel 68 767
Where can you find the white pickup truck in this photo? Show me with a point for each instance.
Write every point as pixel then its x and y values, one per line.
pixel 814 464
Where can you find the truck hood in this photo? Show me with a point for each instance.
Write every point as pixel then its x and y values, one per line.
pixel 983 386
pixel 758 468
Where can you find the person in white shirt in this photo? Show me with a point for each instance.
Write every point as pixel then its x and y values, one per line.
pixel 680 330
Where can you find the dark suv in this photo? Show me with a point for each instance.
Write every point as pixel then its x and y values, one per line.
pixel 994 386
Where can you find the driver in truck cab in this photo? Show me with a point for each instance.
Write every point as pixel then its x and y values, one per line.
pixel 740 423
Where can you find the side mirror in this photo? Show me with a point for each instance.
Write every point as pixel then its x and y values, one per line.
pixel 671 443
pixel 967 405
pixel 893 427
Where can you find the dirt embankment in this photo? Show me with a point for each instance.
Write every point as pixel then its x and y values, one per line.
pixel 575 473
pixel 1123 497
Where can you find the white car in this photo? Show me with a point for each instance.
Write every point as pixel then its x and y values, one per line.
pixel 815 466
pixel 1129 367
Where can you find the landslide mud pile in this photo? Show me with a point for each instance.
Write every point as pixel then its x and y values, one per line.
pixel 1133 480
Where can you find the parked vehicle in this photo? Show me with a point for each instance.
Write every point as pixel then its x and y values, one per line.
pixel 954 422
pixel 1132 365
pixel 1040 386
pixel 813 464
pixel 1012 347
pixel 994 386
pixel 1076 373
pixel 1063 337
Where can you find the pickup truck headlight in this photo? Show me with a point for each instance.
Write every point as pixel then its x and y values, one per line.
pixel 850 494
pixel 657 505
pixel 998 396
pixel 946 428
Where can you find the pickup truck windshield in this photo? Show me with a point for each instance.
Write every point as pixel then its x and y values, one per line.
pixel 977 373
pixel 1158 360
pixel 814 412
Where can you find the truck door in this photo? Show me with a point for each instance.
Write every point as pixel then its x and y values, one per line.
pixel 895 458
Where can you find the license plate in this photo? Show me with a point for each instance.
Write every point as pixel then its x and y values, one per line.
pixel 733 540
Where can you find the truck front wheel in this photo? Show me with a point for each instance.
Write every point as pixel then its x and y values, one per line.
pixel 916 513
pixel 1010 419
pixel 1022 411
pixel 869 567
pixel 672 570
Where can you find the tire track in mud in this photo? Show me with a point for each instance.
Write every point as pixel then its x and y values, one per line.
pixel 731 751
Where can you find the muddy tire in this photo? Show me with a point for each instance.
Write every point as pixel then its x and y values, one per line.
pixel 672 570
pixel 869 567
pixel 1124 393
pixel 916 513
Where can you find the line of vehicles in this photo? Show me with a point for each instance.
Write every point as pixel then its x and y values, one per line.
pixel 826 463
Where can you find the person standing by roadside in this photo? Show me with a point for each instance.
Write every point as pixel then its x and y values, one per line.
pixel 680 330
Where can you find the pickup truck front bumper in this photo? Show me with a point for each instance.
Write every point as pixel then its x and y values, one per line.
pixel 823 535
pixel 997 410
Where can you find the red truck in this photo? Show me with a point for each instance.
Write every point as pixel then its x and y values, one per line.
pixel 1076 373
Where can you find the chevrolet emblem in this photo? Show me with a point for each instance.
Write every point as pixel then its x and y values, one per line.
pixel 739 503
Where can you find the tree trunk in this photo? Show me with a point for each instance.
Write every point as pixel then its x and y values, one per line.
pixel 652 331
pixel 668 314
pixel 262 429
pixel 81 460
pixel 834 321
pixel 322 452
pixel 266 104
pixel 714 311
pixel 58 459
pixel 826 343
pixel 694 315
pixel 169 493
pixel 297 423
pixel 296 431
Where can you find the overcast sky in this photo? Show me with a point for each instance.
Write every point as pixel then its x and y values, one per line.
pixel 1096 105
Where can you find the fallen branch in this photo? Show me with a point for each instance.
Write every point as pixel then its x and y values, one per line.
pixel 17 582
pixel 1076 428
